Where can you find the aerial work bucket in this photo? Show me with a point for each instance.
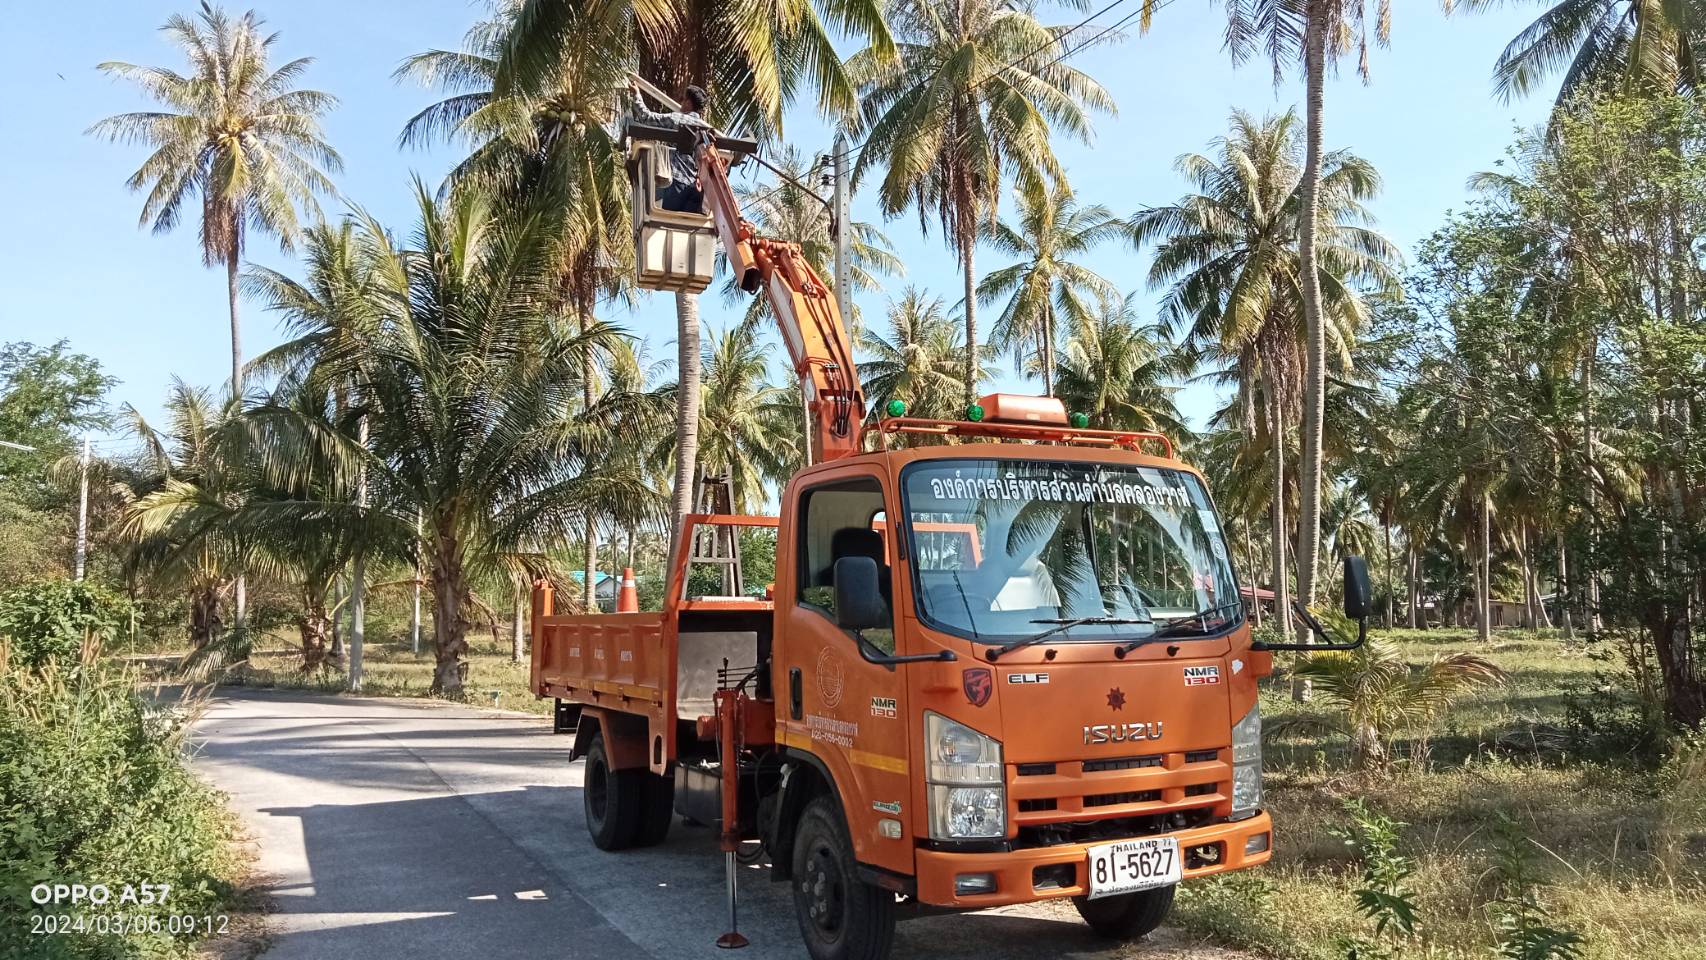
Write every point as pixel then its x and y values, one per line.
pixel 673 250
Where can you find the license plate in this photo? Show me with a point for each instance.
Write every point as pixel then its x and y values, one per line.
pixel 1132 865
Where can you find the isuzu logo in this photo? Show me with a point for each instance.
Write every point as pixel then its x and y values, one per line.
pixel 1121 732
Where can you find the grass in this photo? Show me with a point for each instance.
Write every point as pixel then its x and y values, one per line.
pixel 392 669
pixel 1621 850
pixel 1612 843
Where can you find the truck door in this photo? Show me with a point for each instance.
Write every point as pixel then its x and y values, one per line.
pixel 832 701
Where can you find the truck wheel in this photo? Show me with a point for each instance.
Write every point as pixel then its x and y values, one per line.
pixel 841 917
pixel 613 799
pixel 1128 915
pixel 657 812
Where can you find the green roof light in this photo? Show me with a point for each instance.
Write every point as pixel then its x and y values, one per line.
pixel 974 412
pixel 897 408
pixel 1079 420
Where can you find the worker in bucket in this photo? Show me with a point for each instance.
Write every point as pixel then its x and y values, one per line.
pixel 682 195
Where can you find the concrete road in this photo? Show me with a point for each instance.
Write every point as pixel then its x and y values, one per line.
pixel 402 828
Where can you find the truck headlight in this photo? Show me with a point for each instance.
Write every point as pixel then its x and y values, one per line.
pixel 967 786
pixel 967 813
pixel 1247 764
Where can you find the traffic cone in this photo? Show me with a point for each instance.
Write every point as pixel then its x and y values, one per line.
pixel 628 598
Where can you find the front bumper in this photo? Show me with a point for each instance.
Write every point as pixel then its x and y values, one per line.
pixel 1015 871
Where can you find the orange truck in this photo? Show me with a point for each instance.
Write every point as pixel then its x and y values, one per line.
pixel 1008 667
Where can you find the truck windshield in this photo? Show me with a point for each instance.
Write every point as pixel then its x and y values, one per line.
pixel 1002 548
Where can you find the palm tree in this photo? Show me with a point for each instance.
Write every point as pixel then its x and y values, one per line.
pixel 755 58
pixel 1329 29
pixel 918 362
pixel 235 134
pixel 1598 44
pixel 183 458
pixel 750 428
pixel 1380 695
pixel 471 385
pixel 1230 256
pixel 1117 371
pixel 975 94
pixel 1046 283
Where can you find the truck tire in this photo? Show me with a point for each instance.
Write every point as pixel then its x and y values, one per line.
pixel 614 799
pixel 1126 916
pixel 657 812
pixel 841 917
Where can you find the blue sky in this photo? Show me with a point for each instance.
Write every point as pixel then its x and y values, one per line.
pixel 74 265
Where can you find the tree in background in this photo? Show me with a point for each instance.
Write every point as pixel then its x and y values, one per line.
pixel 1230 257
pixel 918 362
pixel 1601 45
pixel 1315 31
pixel 750 429
pixel 49 396
pixel 975 94
pixel 1120 372
pixel 236 135
pixel 1047 284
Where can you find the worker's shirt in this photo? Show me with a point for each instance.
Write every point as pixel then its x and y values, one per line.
pixel 683 165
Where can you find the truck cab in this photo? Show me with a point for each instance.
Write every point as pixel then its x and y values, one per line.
pixel 1001 656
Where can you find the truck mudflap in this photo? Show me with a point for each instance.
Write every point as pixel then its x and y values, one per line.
pixel 1023 876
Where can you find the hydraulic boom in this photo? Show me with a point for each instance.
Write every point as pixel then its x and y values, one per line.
pixel 804 308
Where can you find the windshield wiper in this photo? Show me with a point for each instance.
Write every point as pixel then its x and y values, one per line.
pixel 1169 627
pixel 1060 626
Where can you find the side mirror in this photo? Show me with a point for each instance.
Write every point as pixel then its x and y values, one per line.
pixel 858 597
pixel 1359 596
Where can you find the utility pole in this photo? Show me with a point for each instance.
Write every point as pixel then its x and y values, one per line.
pixel 83 510
pixel 843 228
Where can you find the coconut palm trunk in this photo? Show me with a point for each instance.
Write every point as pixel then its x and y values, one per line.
pixel 1281 588
pixel 450 597
pixel 686 417
pixel 1563 590
pixel 971 368
pixel 1315 335
pixel 1048 349
pixel 240 594
pixel 1484 577
pixel 1415 587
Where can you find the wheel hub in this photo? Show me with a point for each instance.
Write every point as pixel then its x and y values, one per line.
pixel 821 890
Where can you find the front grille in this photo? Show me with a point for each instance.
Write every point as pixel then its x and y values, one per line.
pixel 1113 797
pixel 1123 763
pixel 1130 796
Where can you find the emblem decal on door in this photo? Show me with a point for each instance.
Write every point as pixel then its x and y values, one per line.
pixel 831 677
pixel 979 683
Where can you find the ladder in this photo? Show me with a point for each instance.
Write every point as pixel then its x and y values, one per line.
pixel 718 544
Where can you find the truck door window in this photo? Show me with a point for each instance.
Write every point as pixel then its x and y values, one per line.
pixel 838 520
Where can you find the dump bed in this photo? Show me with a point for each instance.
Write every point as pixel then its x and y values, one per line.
pixel 662 667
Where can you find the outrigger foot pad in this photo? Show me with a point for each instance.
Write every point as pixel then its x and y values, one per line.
pixel 731 941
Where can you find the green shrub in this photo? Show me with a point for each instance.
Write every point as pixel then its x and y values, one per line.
pixel 93 791
pixel 51 619
pixel 1385 897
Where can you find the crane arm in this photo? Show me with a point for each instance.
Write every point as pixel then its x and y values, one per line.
pixel 804 307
